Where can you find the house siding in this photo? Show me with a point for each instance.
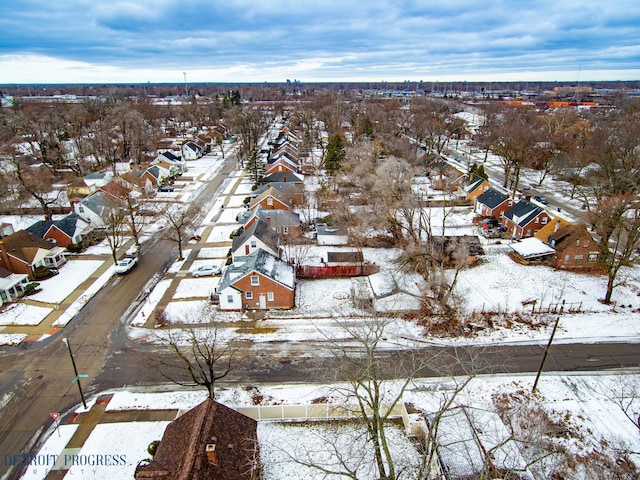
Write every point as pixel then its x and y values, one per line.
pixel 61 238
pixel 283 297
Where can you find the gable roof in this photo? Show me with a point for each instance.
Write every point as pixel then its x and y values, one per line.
pixel 283 177
pixel 99 202
pixel 491 198
pixel 286 188
pixel 169 156
pixel 264 263
pixel 275 218
pixel 25 245
pixel 568 235
pixel 474 182
pixel 523 212
pixel 554 224
pixel 270 192
pixel 182 452
pixel 262 232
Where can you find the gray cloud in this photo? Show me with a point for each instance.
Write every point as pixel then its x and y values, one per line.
pixel 345 38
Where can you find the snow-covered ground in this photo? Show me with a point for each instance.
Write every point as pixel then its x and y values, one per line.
pixel 590 408
pixel 23 314
pixel 72 274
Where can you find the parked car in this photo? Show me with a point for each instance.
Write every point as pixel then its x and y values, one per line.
pixel 206 270
pixel 165 188
pixel 126 264
pixel 541 199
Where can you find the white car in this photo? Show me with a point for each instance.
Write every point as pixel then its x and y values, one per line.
pixel 125 265
pixel 206 270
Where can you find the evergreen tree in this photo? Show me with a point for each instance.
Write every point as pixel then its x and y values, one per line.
pixel 335 155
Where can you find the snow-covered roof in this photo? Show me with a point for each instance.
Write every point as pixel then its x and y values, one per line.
pixel 262 262
pixel 532 248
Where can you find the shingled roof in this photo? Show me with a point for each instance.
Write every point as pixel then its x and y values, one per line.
pixel 210 441
pixel 491 198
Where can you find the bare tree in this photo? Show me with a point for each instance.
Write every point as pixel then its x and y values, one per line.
pixel 371 396
pixel 181 221
pixel 200 357
pixel 33 181
pixel 616 221
pixel 115 228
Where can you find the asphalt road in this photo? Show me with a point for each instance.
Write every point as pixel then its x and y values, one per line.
pixel 38 376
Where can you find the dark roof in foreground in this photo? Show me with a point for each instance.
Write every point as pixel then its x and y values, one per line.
pixel 207 434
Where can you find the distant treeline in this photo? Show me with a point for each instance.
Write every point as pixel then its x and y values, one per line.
pixel 266 91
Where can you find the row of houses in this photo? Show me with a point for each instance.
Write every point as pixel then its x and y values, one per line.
pixel 258 278
pixel 562 243
pixel 43 244
pixel 541 236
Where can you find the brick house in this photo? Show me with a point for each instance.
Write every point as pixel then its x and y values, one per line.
pixel 258 236
pixel 271 199
pixel 22 252
pixel 574 246
pixel 211 441
pixel 63 232
pixel 475 186
pixel 492 204
pixel 284 222
pixel 524 219
pixel 258 281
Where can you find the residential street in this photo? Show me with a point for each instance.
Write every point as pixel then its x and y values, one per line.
pixel 36 377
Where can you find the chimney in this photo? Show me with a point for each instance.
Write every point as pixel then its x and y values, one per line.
pixel 269 220
pixel 284 179
pixel 210 452
pixel 557 227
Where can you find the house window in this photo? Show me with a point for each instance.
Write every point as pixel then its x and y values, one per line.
pixel 270 296
pixel 567 257
pixel 229 298
pixel 578 257
pixel 592 257
pixel 253 244
pixel 248 295
pixel 285 230
pixel 255 281
pixel 81 208
pixel 577 243
pixel 586 243
pixel 269 201
pixel 544 220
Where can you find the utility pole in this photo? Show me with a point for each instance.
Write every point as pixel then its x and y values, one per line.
pixel 186 89
pixel 75 370
pixel 544 358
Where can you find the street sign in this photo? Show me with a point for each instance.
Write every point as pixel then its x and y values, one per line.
pixel 55 415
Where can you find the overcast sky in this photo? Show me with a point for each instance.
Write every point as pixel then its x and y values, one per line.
pixel 94 41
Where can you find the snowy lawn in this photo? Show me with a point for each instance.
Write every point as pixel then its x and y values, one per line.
pixel 12 338
pixel 53 446
pixel 177 265
pixel 22 314
pixel 214 252
pixel 100 249
pixel 229 215
pixel 317 443
pixel 179 400
pixel 324 297
pixel 196 287
pixel 186 312
pixel 236 200
pixel 150 303
pixel 498 283
pixel 72 274
pixel 221 233
pixel 80 302
pixel 126 442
